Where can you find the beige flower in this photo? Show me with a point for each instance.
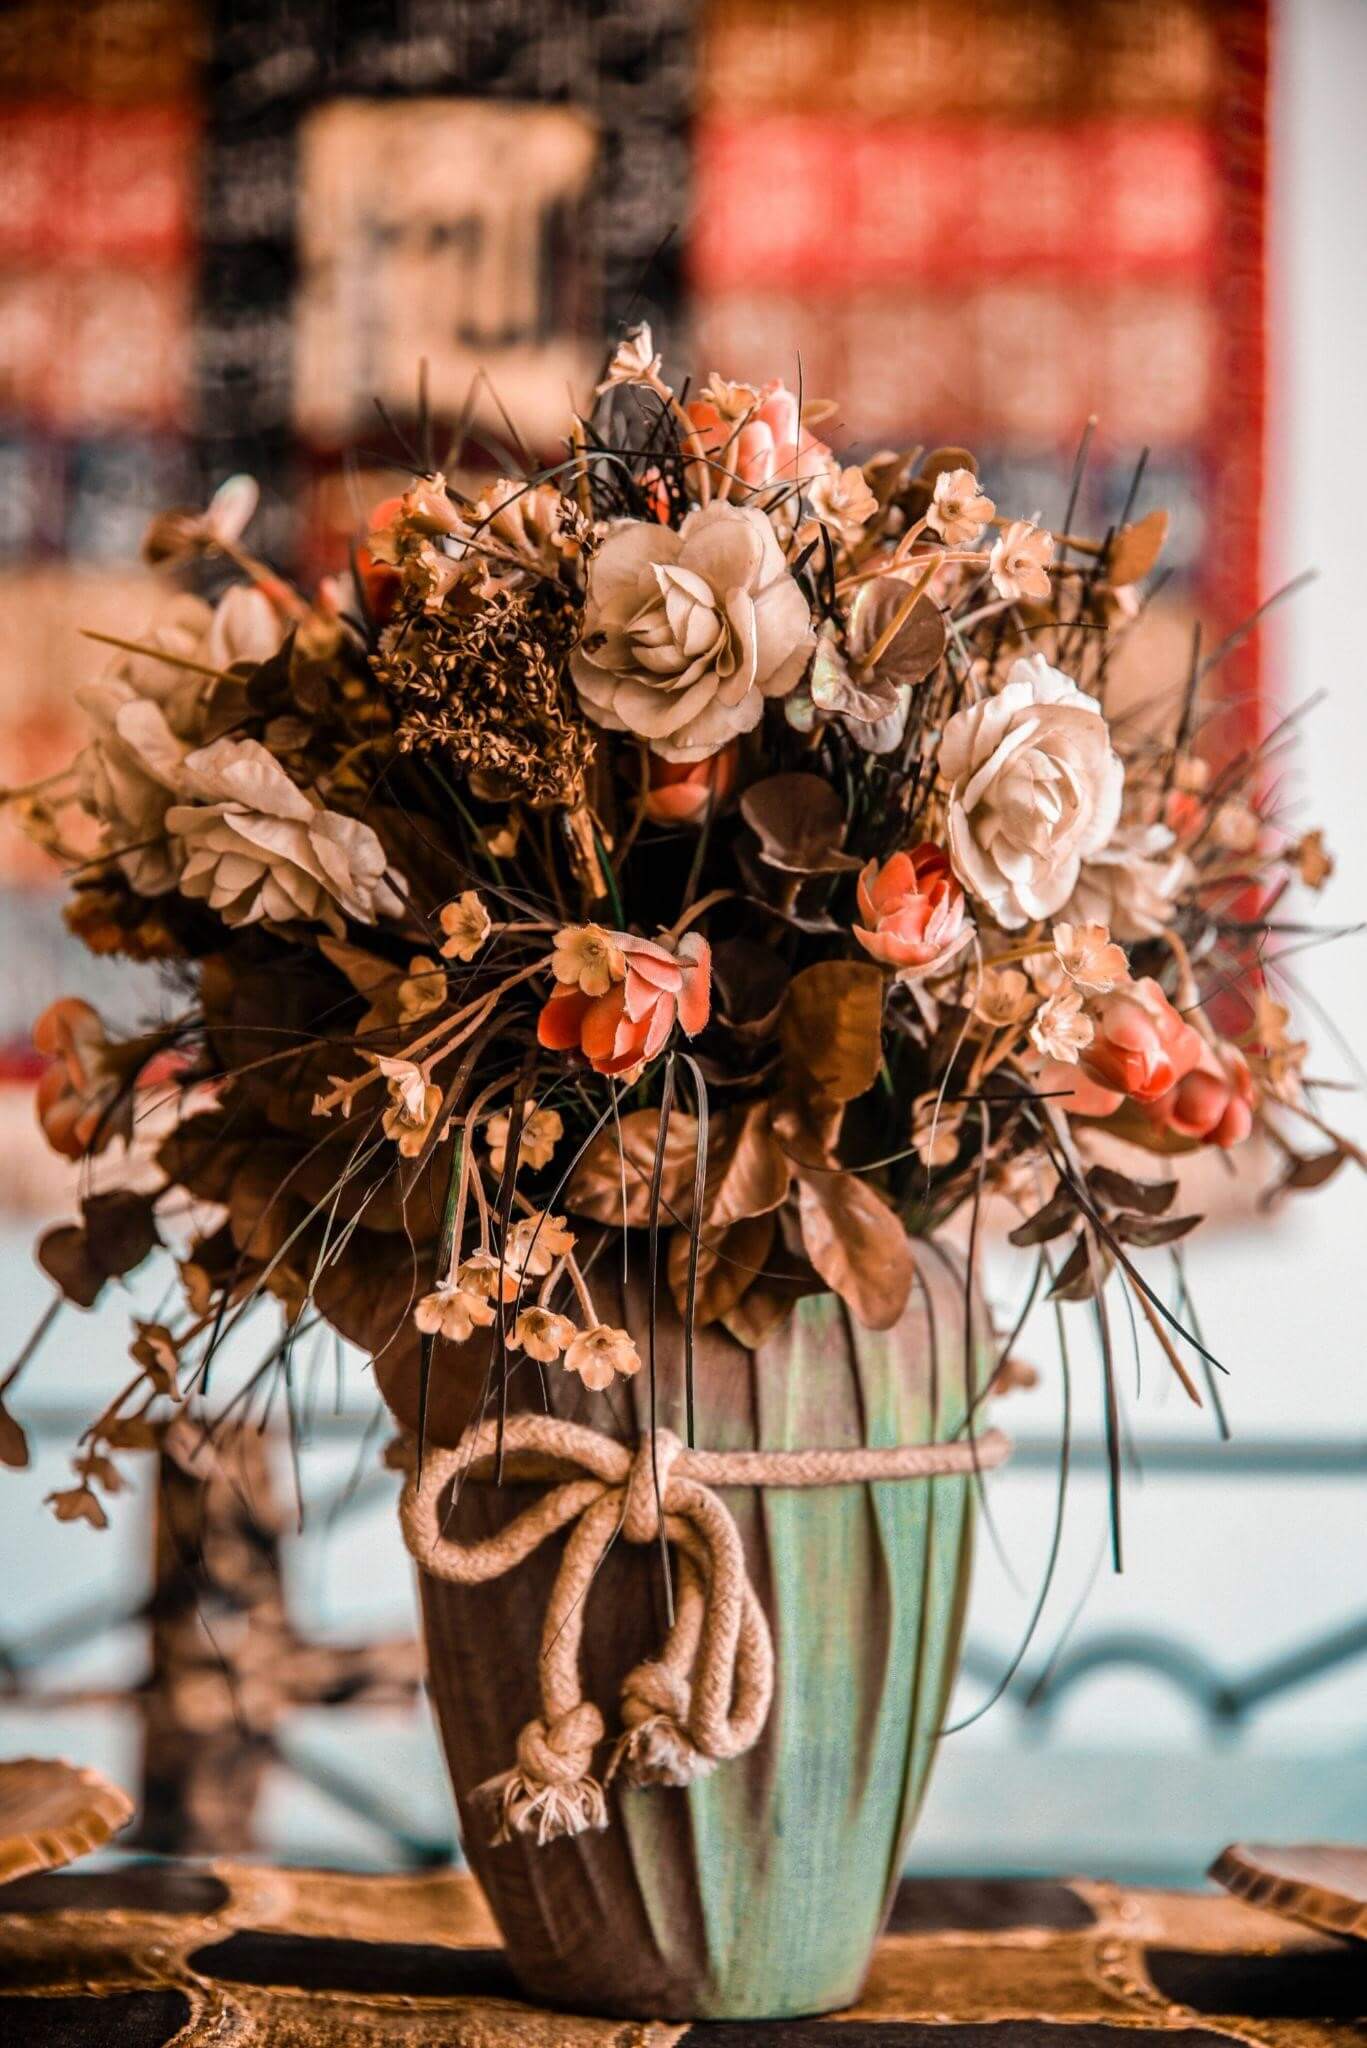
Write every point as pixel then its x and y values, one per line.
pixel 958 510
pixel 257 849
pixel 599 1355
pixel 936 1129
pixel 542 1130
pixel 466 923
pixel 1062 1027
pixel 422 990
pixel 528 519
pixel 502 841
pixel 454 1313
pixel 1035 789
pixel 1020 561
pixel 486 1274
pixel 1088 958
pixel 541 1334
pixel 129 776
pixel 1236 828
pixel 587 958
pixel 413 1103
pixel 634 360
pixel 534 1243
pixel 1131 884
pixel 686 634
pixel 1003 997
pixel 842 501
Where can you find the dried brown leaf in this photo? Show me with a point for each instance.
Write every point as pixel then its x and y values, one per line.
pixel 915 647
pixel 595 1187
pixel 729 1262
pixel 857 1245
pixel 831 1027
pixel 799 821
pixel 13 1442
pixel 1145 1197
pixel 752 1173
pixel 1135 548
pixel 1152 1230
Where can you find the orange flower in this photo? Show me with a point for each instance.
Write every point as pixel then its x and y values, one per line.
pixel 682 792
pixel 1214 1102
pixel 1142 1048
pixel 912 909
pixel 772 447
pixel 632 1020
pixel 77 1092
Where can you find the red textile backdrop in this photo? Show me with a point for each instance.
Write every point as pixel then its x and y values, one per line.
pixel 986 223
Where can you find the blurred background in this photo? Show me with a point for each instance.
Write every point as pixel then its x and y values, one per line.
pixel 228 234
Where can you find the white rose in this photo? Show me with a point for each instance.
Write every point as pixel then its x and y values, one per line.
pixel 1132 883
pixel 686 634
pixel 256 848
pixel 1034 790
pixel 130 775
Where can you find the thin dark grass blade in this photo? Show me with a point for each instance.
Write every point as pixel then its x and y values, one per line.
pixel 656 1181
pixel 694 1242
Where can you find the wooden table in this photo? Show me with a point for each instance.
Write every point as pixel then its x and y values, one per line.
pixel 234 1954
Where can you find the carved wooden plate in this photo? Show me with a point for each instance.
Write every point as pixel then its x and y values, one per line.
pixel 52 1812
pixel 1322 1884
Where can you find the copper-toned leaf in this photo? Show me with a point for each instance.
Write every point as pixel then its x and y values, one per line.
pixel 857 1245
pixel 1144 1197
pixel 13 1442
pixel 1057 1215
pixel 1135 548
pixel 799 821
pixel 729 1262
pixel 770 1298
pixel 915 647
pixel 752 1173
pixel 831 1027
pixel 595 1187
pixel 65 1257
pixel 1151 1230
pixel 940 459
pixel 120 1228
pixel 78 1504
pixel 807 1124
pixel 748 984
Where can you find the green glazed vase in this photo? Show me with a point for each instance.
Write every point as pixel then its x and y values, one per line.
pixel 761 1889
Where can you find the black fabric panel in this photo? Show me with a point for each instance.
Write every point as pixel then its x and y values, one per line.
pixel 306 1962
pixel 129 2019
pixel 1306 1984
pixel 143 1888
pixel 936 1905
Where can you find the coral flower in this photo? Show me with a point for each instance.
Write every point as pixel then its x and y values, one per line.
pixel 77 1092
pixel 682 792
pixel 1214 1102
pixel 757 436
pixel 632 1020
pixel 912 909
pixel 1142 1048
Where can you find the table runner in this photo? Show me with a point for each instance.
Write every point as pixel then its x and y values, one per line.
pixel 147 1954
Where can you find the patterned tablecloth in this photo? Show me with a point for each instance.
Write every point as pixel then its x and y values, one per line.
pixel 148 1954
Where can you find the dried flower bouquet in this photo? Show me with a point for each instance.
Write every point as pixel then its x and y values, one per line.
pixel 699 838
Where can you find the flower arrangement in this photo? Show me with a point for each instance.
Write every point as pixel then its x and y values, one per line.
pixel 699 839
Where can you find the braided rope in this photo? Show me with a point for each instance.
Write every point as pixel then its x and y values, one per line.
pixel 706 1696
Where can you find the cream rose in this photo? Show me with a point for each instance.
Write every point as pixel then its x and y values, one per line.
pixel 687 633
pixel 1132 883
pixel 1034 790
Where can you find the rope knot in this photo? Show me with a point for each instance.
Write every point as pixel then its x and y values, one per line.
pixel 551 1791
pixel 655 1747
pixel 650 1473
pixel 560 1752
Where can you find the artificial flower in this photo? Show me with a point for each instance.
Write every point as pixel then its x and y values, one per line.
pixel 842 501
pixel 466 923
pixel 936 1130
pixel 1141 1046
pixel 422 990
pixel 1020 560
pixel 527 519
pixel 958 509
pixel 1312 860
pixel 1132 883
pixel 1089 959
pixel 1236 828
pixel 601 1355
pixel 79 1089
pixel 486 1274
pixel 413 1105
pixel 542 1130
pixel 683 792
pixel 1061 1027
pixel 757 437
pixel 632 1021
pixel 587 958
pixel 540 1333
pixel 1071 1089
pixel 534 1243
pixel 1003 997
pixel 634 360
pixel 453 1312
pixel 129 776
pixel 1214 1102
pixel 257 849
pixel 912 910
pixel 685 635
pixel 1035 789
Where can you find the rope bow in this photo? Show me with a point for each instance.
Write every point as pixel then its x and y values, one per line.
pixel 706 1696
